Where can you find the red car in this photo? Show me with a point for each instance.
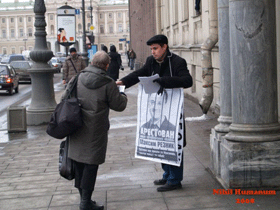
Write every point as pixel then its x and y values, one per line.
pixel 8 79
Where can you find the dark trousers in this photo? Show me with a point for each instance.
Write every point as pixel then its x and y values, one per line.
pixel 85 176
pixel 132 61
pixel 197 5
pixel 173 174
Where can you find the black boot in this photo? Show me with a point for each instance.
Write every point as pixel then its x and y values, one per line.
pixel 87 203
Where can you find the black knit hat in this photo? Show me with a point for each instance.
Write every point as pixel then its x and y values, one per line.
pixel 73 49
pixel 157 39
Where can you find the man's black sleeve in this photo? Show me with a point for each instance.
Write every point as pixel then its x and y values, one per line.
pixel 181 77
pixel 132 78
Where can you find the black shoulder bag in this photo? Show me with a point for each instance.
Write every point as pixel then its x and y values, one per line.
pixel 65 164
pixel 67 116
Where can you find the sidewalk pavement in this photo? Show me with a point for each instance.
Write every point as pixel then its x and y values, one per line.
pixel 29 176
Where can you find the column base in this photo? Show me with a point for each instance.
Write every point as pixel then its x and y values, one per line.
pixel 250 165
pixel 38 117
pixel 254 133
pixel 215 156
pixel 225 122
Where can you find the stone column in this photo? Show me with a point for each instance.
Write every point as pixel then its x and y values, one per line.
pixel 16 27
pixel 8 28
pixel 124 22
pixel 43 101
pixel 225 118
pixel 116 28
pixel 25 26
pixel 106 31
pixel 251 150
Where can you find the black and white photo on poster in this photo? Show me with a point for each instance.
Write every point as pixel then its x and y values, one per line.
pixel 160 126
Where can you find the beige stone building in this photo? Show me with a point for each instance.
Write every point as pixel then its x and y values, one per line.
pixel 187 32
pixel 109 18
pixel 232 50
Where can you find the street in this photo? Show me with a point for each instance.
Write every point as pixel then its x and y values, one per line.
pixel 23 98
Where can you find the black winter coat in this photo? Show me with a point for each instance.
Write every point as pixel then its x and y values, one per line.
pixel 116 62
pixel 173 72
pixel 180 74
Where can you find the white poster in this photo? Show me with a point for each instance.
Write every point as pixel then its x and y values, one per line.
pixel 66 27
pixel 160 125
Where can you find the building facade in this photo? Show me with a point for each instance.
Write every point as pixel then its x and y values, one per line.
pixel 232 51
pixel 109 19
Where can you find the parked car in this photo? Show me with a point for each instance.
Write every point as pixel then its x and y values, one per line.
pixel 21 68
pixel 1 56
pixel 55 62
pixel 60 54
pixel 8 79
pixel 14 57
pixel 62 61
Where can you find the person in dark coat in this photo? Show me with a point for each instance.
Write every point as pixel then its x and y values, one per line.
pixel 115 65
pixel 104 48
pixel 97 93
pixel 173 73
pixel 132 57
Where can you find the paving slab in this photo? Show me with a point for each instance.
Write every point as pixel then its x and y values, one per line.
pixel 29 176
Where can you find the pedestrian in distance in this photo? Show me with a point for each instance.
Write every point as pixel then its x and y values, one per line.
pixel 116 63
pixel 127 54
pixel 104 48
pixel 72 66
pixel 132 57
pixel 173 73
pixel 97 93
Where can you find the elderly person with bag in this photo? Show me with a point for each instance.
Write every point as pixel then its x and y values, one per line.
pixel 97 93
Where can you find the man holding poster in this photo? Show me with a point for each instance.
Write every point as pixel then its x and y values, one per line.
pixel 173 73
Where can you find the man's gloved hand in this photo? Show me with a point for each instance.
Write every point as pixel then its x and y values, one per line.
pixel 161 82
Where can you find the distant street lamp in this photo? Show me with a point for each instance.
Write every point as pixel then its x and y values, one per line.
pixel 25 43
pixel 125 42
pixel 84 53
